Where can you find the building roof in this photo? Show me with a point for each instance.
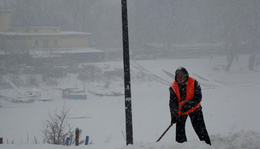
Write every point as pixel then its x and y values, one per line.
pixel 78 50
pixel 58 52
pixel 38 27
pixel 38 34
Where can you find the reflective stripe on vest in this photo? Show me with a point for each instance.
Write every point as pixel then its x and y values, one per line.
pixel 189 95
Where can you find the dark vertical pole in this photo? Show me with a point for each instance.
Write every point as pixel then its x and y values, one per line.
pixel 128 107
pixel 77 137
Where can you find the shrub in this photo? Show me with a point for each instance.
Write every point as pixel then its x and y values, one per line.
pixel 57 128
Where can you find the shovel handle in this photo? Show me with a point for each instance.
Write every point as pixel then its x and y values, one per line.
pixel 165 132
pixel 167 129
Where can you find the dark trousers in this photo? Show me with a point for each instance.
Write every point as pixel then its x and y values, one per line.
pixel 198 124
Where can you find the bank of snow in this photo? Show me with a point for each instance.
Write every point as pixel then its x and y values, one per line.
pixel 239 140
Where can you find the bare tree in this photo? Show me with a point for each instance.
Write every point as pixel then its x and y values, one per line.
pixel 239 27
pixel 255 36
pixel 57 128
pixel 232 32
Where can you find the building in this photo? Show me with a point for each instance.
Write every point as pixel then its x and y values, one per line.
pixel 38 37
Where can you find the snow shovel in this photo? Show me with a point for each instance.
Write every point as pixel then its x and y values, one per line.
pixel 167 129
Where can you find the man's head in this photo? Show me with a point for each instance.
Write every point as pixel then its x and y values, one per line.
pixel 181 75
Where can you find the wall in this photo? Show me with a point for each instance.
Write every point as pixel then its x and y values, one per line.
pixel 45 41
pixel 5 22
pixel 38 37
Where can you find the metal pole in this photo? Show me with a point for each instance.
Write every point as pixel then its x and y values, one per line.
pixel 128 107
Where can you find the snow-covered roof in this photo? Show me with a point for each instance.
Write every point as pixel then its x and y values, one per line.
pixel 78 50
pixel 39 34
pixel 38 27
pixel 57 52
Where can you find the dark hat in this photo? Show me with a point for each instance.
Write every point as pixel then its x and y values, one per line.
pixel 181 70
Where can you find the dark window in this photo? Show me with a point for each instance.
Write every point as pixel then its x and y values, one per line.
pixel 55 42
pixel 45 43
pixel 36 43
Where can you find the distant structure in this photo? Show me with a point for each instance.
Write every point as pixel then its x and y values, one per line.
pixel 38 37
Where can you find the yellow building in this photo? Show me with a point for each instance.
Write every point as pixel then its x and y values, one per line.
pixel 5 22
pixel 38 37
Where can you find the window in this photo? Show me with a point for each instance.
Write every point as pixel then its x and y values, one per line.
pixel 36 43
pixel 45 43
pixel 55 42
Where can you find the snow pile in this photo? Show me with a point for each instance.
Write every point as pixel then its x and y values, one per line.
pixel 164 145
pixel 239 140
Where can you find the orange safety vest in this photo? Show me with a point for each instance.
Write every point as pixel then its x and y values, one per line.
pixel 189 95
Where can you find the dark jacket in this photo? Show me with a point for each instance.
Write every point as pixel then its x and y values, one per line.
pixel 189 104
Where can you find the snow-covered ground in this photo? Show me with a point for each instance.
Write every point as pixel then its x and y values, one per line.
pixel 231 103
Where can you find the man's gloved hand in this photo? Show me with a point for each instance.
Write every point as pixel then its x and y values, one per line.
pixel 187 106
pixel 173 121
